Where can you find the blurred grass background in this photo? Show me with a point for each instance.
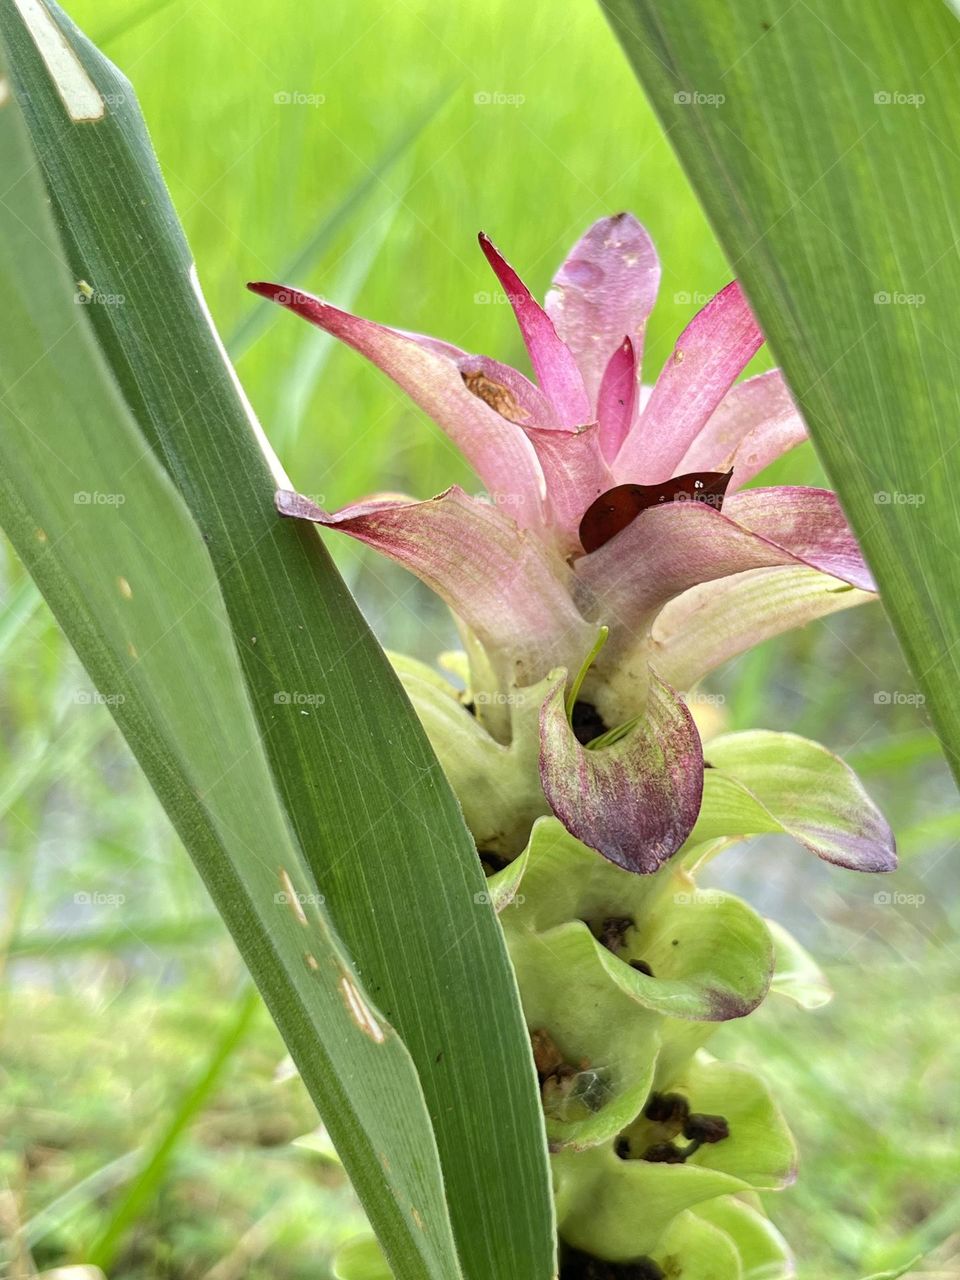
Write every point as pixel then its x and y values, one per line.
pixel 358 149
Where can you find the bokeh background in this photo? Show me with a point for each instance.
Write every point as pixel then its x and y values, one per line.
pixel 356 149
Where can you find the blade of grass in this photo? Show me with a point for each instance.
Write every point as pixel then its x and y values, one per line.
pixel 19 607
pixel 261 314
pixel 164 934
pixel 102 1251
pixel 301 379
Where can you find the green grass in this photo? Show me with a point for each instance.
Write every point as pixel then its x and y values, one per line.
pixel 101 1042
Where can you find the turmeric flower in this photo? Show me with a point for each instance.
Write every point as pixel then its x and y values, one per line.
pixel 612 511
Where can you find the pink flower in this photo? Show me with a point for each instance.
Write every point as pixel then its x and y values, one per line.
pixel 678 586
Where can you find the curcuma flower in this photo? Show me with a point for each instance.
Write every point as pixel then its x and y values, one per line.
pixel 615 557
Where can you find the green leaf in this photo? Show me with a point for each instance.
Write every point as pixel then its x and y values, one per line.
pixel 348 796
pixel 134 588
pixel 819 138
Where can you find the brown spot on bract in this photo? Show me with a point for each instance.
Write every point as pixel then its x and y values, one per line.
pixel 614 510
pixel 496 395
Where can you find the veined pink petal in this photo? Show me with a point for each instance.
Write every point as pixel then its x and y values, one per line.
pixel 711 352
pixel 497 450
pixel 716 621
pixel 499 580
pixel 575 473
pixel 603 292
pixel 754 423
pixel 671 548
pixel 553 363
pixel 808 523
pixel 635 801
pixel 617 399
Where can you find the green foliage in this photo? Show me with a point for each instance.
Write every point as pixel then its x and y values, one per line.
pixel 816 136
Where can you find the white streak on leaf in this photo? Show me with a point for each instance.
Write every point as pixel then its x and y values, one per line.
pixel 360 1011
pixel 77 91
pixel 281 479
pixel 292 898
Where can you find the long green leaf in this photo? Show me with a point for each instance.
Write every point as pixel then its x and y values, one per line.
pixel 134 588
pixel 378 825
pixel 821 138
